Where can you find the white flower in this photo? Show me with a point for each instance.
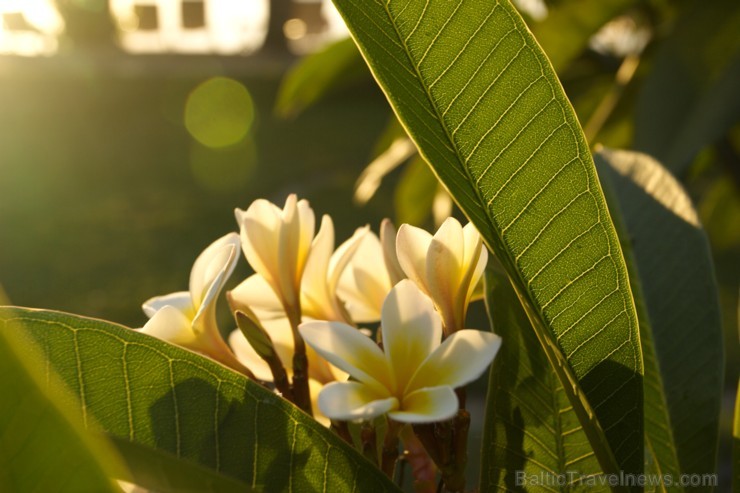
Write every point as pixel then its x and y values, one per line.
pixel 188 318
pixel 446 266
pixel 413 381
pixel 277 243
pixel 318 293
pixel 370 275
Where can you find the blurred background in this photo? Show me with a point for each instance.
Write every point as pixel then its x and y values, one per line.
pixel 131 129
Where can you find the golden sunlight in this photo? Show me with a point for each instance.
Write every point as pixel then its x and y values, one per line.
pixel 191 26
pixel 29 27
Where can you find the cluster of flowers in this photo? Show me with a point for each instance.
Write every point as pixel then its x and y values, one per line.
pixel 306 292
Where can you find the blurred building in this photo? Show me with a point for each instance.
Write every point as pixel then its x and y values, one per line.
pixel 29 27
pixel 224 27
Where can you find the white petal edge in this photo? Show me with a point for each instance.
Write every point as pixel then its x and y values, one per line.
pixel 213 266
pixel 353 401
pixel 171 325
pixel 180 300
pixel 427 405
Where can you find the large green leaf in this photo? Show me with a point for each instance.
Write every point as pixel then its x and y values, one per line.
pixel 684 363
pixel 41 449
pixel 482 103
pixel 166 399
pixel 532 435
pixel 690 97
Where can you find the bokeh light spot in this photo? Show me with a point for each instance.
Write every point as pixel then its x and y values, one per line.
pixel 219 112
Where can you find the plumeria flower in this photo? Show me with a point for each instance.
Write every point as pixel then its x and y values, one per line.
pixel 370 275
pixel 319 284
pixel 446 266
pixel 277 243
pixel 414 377
pixel 188 318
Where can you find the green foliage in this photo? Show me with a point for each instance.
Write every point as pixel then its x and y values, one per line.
pixel 186 409
pixel 565 32
pixel 41 448
pixel 682 342
pixel 690 98
pixel 487 112
pixel 337 65
pixel 531 428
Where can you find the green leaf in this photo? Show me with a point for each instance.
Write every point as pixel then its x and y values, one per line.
pixel 530 428
pixel 565 32
pixel 314 76
pixel 684 363
pixel 482 103
pixel 41 447
pixel 690 97
pixel 157 396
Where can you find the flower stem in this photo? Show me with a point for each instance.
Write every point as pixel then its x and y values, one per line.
pixel 301 392
pixel 390 449
pixel 446 443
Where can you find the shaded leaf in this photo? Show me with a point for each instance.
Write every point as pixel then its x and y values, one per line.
pixel 142 390
pixel 531 432
pixel 682 342
pixel 483 105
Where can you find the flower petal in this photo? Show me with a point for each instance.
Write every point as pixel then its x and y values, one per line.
pixel 315 299
pixel 412 245
pixel 348 349
pixel 210 275
pixel 459 360
pixel 308 227
pixel 255 292
pixel 180 300
pixel 427 406
pixel 476 258
pixel 348 401
pixel 212 268
pixel 342 256
pixel 315 387
pixel 388 240
pixel 171 325
pixel 287 271
pixel 444 270
pixel 260 228
pixel 365 282
pixel 411 330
